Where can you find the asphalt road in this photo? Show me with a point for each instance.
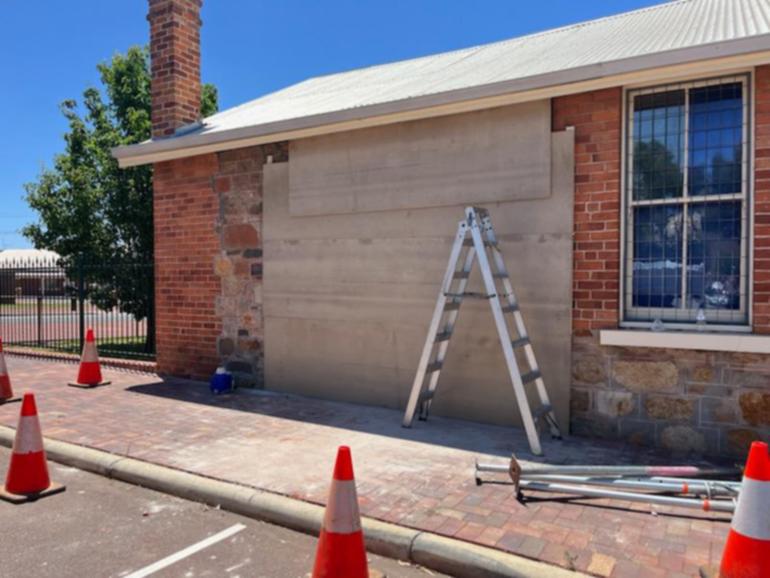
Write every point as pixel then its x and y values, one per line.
pixel 102 527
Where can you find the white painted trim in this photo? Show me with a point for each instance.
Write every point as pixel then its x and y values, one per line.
pixel 703 341
pixel 709 59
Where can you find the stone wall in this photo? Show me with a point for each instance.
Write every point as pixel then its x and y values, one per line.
pixel 238 184
pixel 683 401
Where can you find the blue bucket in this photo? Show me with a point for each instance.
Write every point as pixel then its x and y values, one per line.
pixel 221 381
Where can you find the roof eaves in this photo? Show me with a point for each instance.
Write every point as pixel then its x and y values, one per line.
pixel 190 144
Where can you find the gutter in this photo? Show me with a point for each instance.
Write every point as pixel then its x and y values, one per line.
pixel 712 58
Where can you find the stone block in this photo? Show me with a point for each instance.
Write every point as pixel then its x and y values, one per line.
pixel 237 366
pixel 637 432
pixel 589 370
pixel 705 374
pixel 223 266
pixel 580 401
pixel 712 390
pixel 755 407
pixel 718 410
pixel 669 408
pixel 615 403
pixel 594 426
pixel 740 378
pixel 737 441
pixel 646 376
pixel 240 237
pixel 683 439
pixel 225 346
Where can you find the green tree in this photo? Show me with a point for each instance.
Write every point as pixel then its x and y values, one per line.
pixel 89 209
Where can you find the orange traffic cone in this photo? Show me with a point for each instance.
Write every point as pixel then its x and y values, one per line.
pixel 341 552
pixel 6 393
pixel 89 373
pixel 747 552
pixel 27 477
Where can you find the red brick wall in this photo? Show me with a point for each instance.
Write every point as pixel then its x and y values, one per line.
pixel 762 202
pixel 175 61
pixel 186 286
pixel 597 118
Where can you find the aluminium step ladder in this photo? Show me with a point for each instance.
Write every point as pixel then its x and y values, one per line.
pixel 476 238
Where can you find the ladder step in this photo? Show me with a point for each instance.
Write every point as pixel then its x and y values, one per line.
pixel 469 243
pixel 500 275
pixel 435 366
pixel 443 336
pixel 510 308
pixel 461 274
pixel 452 306
pixel 471 295
pixel 427 395
pixel 542 410
pixel 520 342
pixel 531 376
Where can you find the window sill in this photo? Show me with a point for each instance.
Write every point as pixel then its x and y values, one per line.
pixel 731 342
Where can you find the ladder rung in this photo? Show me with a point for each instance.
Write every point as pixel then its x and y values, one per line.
pixel 471 295
pixel 500 275
pixel 531 376
pixel 462 274
pixel 520 342
pixel 443 336
pixel 544 409
pixel 469 243
pixel 435 366
pixel 510 308
pixel 452 306
pixel 427 395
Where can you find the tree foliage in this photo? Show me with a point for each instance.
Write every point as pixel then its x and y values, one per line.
pixel 88 207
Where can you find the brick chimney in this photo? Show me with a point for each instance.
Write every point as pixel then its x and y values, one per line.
pixel 175 64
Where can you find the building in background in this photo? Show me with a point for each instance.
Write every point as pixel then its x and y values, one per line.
pixel 28 273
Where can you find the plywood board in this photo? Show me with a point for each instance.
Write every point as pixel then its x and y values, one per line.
pixel 500 154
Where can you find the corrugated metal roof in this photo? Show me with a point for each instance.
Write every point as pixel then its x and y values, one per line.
pixel 658 29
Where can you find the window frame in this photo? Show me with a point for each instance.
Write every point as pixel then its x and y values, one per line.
pixel 745 310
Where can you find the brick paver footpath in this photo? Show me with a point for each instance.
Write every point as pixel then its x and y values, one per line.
pixel 420 477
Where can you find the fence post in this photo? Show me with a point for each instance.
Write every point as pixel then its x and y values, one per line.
pixel 81 301
pixel 40 321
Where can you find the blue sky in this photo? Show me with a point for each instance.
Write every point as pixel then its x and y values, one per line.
pixel 49 50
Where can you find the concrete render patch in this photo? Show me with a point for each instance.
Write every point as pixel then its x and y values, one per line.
pixel 461 559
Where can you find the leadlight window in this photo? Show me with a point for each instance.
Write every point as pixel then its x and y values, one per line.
pixel 686 220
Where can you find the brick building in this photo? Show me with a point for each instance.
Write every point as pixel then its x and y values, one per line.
pixel 301 237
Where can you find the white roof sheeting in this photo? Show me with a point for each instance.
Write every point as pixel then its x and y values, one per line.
pixel 531 61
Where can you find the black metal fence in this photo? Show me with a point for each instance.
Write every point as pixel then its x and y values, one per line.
pixel 50 304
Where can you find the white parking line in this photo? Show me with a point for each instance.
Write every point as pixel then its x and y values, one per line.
pixel 189 551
